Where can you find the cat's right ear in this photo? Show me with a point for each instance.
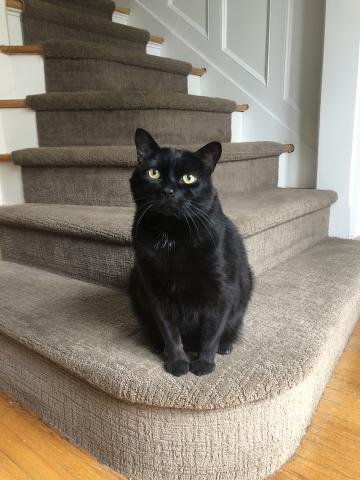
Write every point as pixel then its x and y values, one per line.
pixel 145 144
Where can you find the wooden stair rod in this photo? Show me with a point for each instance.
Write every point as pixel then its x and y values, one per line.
pixel 241 107
pixel 13 103
pixel 288 148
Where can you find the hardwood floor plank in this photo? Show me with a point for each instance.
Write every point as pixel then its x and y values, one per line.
pixel 46 455
pixel 9 469
pixel 21 453
pixel 331 447
pixel 46 443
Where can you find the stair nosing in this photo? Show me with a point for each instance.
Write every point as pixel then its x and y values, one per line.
pixel 125 156
pixel 122 236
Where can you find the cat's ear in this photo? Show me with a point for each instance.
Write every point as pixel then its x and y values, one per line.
pixel 145 144
pixel 210 155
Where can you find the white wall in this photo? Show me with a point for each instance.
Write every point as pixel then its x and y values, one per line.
pixel 267 53
pixel 10 176
pixel 339 154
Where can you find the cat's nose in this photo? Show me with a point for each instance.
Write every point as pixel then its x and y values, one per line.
pixel 167 192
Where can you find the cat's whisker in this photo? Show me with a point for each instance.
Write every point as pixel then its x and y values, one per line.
pixel 188 224
pixel 202 220
pixel 141 216
pixel 193 220
pixel 200 210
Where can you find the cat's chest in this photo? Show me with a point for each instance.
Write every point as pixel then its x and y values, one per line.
pixel 180 264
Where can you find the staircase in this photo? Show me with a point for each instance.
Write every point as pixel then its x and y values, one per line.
pixel 70 347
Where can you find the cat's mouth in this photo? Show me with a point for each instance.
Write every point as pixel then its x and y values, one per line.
pixel 168 209
pixel 167 206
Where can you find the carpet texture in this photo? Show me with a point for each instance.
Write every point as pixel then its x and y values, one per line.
pixel 77 175
pixel 81 20
pixel 127 101
pixel 256 405
pixel 111 118
pixel 85 185
pixel 254 213
pixel 104 348
pixel 94 243
pixel 72 66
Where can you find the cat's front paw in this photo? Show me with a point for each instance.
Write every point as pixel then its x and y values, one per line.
pixel 177 368
pixel 202 367
pixel 225 348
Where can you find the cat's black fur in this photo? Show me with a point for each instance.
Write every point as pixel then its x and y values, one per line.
pixel 191 281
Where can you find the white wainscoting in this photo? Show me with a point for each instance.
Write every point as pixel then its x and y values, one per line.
pixel 267 53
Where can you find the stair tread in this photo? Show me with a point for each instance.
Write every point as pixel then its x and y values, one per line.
pixel 72 49
pixel 112 100
pixel 96 7
pixel 126 155
pixel 297 311
pixel 252 212
pixel 76 18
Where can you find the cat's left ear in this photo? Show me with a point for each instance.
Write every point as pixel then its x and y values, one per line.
pixel 145 144
pixel 210 155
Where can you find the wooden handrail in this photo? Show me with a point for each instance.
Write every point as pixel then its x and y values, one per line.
pixel 19 6
pixel 242 107
pixel 5 157
pixel 13 103
pixel 288 148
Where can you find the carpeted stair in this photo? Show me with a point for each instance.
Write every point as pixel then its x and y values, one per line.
pixel 72 66
pixel 77 175
pixel 88 21
pixel 94 243
pixel 111 117
pixel 70 348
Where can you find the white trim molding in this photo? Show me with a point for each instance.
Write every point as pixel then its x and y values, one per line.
pixel 263 79
pixel 203 31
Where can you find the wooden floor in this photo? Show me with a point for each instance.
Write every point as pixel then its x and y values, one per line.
pixel 29 450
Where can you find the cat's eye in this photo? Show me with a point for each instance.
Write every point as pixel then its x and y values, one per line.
pixel 153 173
pixel 188 179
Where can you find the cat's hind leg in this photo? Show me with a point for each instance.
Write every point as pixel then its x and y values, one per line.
pixel 144 315
pixel 232 331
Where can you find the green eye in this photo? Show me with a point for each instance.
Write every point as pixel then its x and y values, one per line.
pixel 189 179
pixel 153 173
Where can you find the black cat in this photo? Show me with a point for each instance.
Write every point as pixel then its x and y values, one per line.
pixel 191 281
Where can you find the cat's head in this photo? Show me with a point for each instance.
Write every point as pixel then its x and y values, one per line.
pixel 171 180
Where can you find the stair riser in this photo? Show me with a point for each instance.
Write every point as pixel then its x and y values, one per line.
pixel 36 30
pixel 109 264
pixel 76 75
pixel 117 127
pixel 86 185
pixel 117 433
